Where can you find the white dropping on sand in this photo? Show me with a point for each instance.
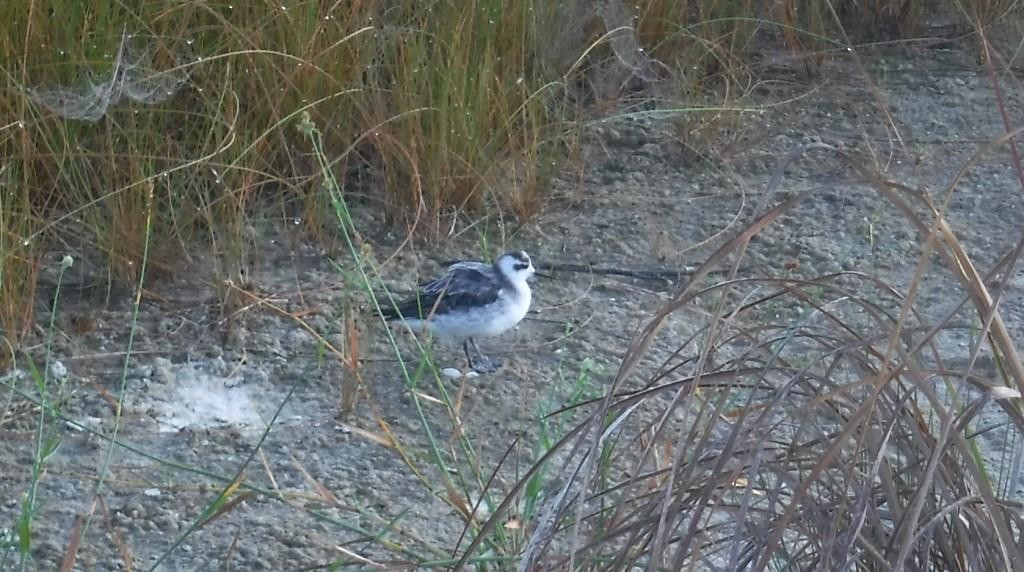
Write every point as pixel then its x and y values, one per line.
pixel 191 397
pixel 58 370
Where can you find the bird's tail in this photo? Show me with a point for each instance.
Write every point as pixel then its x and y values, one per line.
pixel 387 307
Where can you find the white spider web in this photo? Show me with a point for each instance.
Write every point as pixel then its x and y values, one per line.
pixel 131 76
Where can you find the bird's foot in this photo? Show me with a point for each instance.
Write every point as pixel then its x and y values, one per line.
pixel 481 363
pixel 484 364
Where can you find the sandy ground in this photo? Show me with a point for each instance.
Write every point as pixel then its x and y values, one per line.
pixel 198 401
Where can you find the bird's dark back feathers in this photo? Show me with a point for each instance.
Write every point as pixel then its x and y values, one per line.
pixel 465 285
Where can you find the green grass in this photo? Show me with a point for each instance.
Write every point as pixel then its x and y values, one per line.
pixel 50 393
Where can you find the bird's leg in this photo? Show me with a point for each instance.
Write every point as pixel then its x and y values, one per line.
pixel 465 348
pixel 482 363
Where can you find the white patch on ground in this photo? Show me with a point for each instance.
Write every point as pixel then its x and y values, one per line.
pixel 187 396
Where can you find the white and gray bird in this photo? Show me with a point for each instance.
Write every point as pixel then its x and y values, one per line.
pixel 471 300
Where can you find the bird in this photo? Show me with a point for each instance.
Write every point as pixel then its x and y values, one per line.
pixel 471 300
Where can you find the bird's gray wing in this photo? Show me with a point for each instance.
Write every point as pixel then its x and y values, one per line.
pixel 465 285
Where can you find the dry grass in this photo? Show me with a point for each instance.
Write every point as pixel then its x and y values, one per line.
pixel 819 424
pixel 810 425
pixel 19 267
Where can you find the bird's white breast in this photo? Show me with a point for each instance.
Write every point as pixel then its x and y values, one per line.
pixel 516 307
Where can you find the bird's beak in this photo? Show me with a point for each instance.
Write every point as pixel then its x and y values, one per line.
pixel 542 275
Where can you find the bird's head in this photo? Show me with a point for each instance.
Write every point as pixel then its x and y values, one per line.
pixel 516 265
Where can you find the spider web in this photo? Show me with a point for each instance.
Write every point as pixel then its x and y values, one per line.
pixel 132 76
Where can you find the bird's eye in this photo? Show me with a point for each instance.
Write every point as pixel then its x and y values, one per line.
pixel 521 266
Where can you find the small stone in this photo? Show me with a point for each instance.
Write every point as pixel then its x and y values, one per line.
pixel 452 373
pixel 168 522
pixel 299 337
